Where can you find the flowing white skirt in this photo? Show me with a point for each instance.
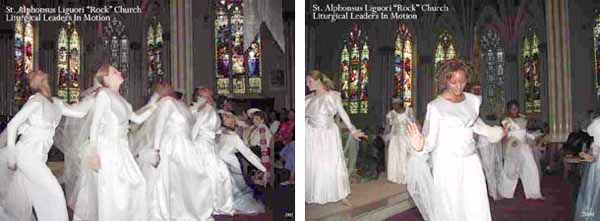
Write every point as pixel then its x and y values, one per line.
pixel 588 199
pixel 221 181
pixel 397 159
pixel 117 191
pixel 33 184
pixel 244 202
pixel 326 173
pixel 179 186
pixel 460 188
pixel 491 159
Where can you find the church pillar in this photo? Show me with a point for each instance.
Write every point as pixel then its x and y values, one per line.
pixel 386 80
pixel 181 41
pixel 559 78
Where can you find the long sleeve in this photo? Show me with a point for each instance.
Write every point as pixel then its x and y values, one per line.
pixel 101 104
pixel 431 129
pixel 492 133
pixel 163 114
pixel 141 115
pixel 18 120
pixel 342 113
pixel 77 110
pixel 245 151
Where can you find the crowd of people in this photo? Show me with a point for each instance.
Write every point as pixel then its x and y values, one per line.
pixel 174 161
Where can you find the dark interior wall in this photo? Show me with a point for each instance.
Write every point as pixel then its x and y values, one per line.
pixel 324 40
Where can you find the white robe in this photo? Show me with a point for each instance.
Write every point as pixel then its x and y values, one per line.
pixel 229 144
pixel 588 198
pixel 399 145
pixel 117 191
pixel 33 184
pixel 491 159
pixel 326 172
pixel 459 189
pixel 207 124
pixel 179 188
pixel 519 162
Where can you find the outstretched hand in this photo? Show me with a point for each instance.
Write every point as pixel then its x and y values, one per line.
pixel 358 135
pixel 416 137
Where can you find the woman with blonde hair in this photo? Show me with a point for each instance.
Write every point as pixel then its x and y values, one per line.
pixel 31 183
pixel 326 173
pixel 112 186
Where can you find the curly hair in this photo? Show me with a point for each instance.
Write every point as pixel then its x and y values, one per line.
pixel 318 75
pixel 447 67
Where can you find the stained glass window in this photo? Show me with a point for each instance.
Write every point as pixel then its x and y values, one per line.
pixel 444 50
pixel 403 60
pixel 117 45
pixel 24 49
pixel 355 72
pixel 238 71
pixel 597 51
pixel 69 62
pixel 532 74
pixel 493 57
pixel 154 43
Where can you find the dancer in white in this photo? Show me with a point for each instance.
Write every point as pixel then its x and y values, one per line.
pixel 326 173
pixel 519 162
pixel 114 189
pixel 491 160
pixel 207 125
pixel 452 119
pixel 32 183
pixel 397 121
pixel 588 198
pixel 173 187
pixel 229 143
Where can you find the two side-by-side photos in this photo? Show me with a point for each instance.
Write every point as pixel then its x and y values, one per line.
pixel 158 110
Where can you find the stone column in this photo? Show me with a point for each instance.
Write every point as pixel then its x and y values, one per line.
pixel 559 76
pixel 181 47
pixel 387 81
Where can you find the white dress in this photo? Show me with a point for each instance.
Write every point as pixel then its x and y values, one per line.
pixel 33 184
pixel 399 145
pixel 460 192
pixel 117 191
pixel 180 189
pixel 519 162
pixel 326 173
pixel 207 125
pixel 588 198
pixel 229 144
pixel 491 159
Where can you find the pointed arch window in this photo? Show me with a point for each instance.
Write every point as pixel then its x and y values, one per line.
pixel 238 71
pixel 532 73
pixel 69 63
pixel 355 72
pixel 24 55
pixel 493 58
pixel 444 50
pixel 403 65
pixel 117 45
pixel 154 46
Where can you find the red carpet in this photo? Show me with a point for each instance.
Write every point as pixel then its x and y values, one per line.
pixel 557 206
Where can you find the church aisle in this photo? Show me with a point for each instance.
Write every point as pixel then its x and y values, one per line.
pixel 558 204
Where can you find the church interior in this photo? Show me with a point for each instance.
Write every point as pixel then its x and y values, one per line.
pixel 545 55
pixel 241 50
